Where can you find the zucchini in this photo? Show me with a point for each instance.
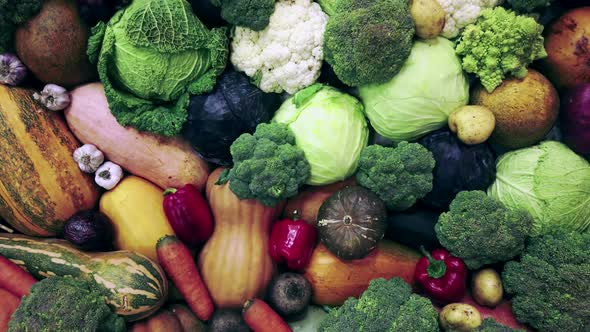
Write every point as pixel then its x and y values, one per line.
pixel 132 284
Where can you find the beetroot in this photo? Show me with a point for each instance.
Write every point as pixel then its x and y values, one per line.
pixel 575 118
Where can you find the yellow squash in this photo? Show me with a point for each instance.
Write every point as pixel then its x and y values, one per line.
pixel 136 209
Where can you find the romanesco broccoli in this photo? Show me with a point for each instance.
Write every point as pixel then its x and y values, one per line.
pixel 399 176
pixel 65 304
pixel 481 230
pixel 500 44
pixel 267 165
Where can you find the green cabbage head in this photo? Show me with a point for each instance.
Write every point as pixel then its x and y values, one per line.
pixel 418 100
pixel 330 127
pixel 550 181
pixel 151 57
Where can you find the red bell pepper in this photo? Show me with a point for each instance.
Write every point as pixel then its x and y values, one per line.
pixel 292 241
pixel 189 214
pixel 442 276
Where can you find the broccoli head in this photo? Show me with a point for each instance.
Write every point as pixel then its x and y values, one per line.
pixel 253 14
pixel 65 304
pixel 368 41
pixel 500 44
pixel 490 325
pixel 399 176
pixel 550 283
pixel 386 306
pixel 528 6
pixel 12 14
pixel 268 166
pixel 481 230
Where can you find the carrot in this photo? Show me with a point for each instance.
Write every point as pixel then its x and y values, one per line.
pixel 14 278
pixel 262 318
pixel 179 264
pixel 8 304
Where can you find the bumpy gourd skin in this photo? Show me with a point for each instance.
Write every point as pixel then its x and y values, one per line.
pixel 368 41
pixel 500 44
pixel 267 165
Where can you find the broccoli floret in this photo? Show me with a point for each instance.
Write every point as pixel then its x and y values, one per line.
pixel 65 304
pixel 481 230
pixel 550 283
pixel 268 166
pixel 399 176
pixel 490 325
pixel 384 306
pixel 528 6
pixel 500 44
pixel 253 14
pixel 12 14
pixel 368 41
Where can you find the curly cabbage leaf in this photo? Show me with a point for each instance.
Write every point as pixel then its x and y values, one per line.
pixel 151 57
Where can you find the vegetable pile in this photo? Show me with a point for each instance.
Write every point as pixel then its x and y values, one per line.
pixel 295 165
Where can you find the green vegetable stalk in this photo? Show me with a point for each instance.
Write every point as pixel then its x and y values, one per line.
pixel 151 56
pixel 65 304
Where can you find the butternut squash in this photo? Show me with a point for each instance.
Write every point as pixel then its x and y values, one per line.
pixel 334 280
pixel 41 186
pixel 235 263
pixel 135 206
pixel 165 161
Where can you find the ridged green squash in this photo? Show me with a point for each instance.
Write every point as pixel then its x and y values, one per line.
pixel 133 285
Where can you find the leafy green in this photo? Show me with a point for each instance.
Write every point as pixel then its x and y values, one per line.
pixel 399 176
pixel 151 57
pixel 420 98
pixel 481 230
pixel 500 44
pixel 550 181
pixel 324 120
pixel 529 5
pixel 267 165
pixel 550 283
pixel 491 325
pixel 65 304
pixel 368 41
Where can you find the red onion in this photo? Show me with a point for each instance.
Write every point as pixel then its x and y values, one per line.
pixel 575 118
pixel 12 70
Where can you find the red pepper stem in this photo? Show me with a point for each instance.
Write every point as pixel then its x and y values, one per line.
pixel 295 215
pixel 169 191
pixel 437 268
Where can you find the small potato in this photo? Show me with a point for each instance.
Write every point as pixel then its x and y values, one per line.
pixel 429 18
pixel 460 317
pixel 487 288
pixel 473 124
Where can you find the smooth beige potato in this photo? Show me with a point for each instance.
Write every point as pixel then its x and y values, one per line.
pixel 429 18
pixel 473 124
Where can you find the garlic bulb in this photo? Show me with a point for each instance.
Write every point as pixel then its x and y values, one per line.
pixel 89 158
pixel 53 97
pixel 108 175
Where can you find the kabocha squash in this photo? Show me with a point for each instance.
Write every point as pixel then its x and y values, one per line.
pixel 334 280
pixel 165 161
pixel 136 209
pixel 41 186
pixel 351 222
pixel 132 284
pixel 235 263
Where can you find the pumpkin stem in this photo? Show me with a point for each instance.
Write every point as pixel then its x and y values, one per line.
pixel 169 191
pixel 437 268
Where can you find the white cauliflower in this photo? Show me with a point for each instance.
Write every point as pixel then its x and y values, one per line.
pixel 287 55
pixel 461 13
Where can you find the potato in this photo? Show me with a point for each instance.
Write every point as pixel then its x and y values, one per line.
pixel 473 124
pixel 487 288
pixel 460 317
pixel 429 17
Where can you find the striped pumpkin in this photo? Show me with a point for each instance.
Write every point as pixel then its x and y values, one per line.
pixel 41 185
pixel 133 285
